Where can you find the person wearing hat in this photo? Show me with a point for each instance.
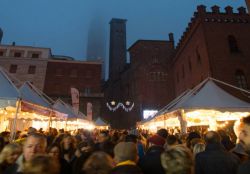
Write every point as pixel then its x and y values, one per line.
pixel 125 157
pixel 151 162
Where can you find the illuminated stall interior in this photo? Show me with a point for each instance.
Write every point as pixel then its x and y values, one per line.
pixel 73 121
pixel 101 124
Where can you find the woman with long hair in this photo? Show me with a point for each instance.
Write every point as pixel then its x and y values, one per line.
pixel 9 155
pixel 54 151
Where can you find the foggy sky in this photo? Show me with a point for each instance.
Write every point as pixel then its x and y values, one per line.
pixel 74 27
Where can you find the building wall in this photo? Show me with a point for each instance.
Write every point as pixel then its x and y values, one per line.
pixel 61 75
pixel 224 63
pixel 25 57
pixel 150 68
pixel 207 37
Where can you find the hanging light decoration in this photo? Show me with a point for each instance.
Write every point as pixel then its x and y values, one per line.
pixel 128 106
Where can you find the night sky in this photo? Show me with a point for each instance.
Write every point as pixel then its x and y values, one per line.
pixel 80 28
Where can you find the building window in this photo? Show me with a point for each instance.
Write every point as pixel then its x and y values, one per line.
pixel 177 77
pixel 13 68
pixel 198 56
pixel 87 90
pixel 73 73
pixel 17 54
pixel 1 53
pixel 233 46
pixel 32 69
pixel 59 72
pixel 35 55
pixel 241 79
pixel 183 72
pixel 189 65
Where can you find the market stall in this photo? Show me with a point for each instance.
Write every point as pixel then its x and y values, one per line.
pixel 206 105
pixel 9 101
pixel 101 124
pixel 73 121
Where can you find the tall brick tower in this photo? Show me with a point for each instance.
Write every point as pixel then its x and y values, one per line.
pixel 117 48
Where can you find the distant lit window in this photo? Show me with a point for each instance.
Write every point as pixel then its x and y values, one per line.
pixel 32 69
pixel 73 73
pixel 35 55
pixel 13 68
pixel 241 79
pixel 17 54
pixel 59 72
pixel 233 46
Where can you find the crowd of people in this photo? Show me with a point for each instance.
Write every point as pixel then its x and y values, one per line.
pixel 126 152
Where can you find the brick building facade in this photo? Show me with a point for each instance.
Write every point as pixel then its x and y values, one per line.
pixel 54 75
pixel 215 44
pixel 85 76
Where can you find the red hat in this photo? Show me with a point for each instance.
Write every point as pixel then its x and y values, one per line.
pixel 157 140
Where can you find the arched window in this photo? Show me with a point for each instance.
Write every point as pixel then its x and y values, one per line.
pixel 241 79
pixel 233 46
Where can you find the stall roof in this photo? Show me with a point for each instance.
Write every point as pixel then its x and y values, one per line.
pixel 31 94
pixel 7 89
pixel 64 108
pixel 210 96
pixel 100 122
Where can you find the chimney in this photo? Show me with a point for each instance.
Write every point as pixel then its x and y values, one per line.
pixel 171 38
pixel 229 10
pixel 242 10
pixel 201 9
pixel 215 9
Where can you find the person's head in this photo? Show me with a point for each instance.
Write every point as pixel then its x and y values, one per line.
pixel 54 151
pixel 244 135
pixel 98 163
pixel 67 142
pixel 199 147
pixel 191 136
pixel 31 130
pixel 124 151
pixel 212 137
pixel 41 164
pixel 35 144
pixel 156 140
pixel 195 141
pixel 177 160
pixel 103 136
pixel 172 140
pixel 10 153
pixel 131 138
pixel 163 133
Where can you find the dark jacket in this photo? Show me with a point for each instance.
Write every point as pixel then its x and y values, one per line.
pixel 151 162
pixel 12 169
pixel 244 168
pixel 216 160
pixel 126 169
